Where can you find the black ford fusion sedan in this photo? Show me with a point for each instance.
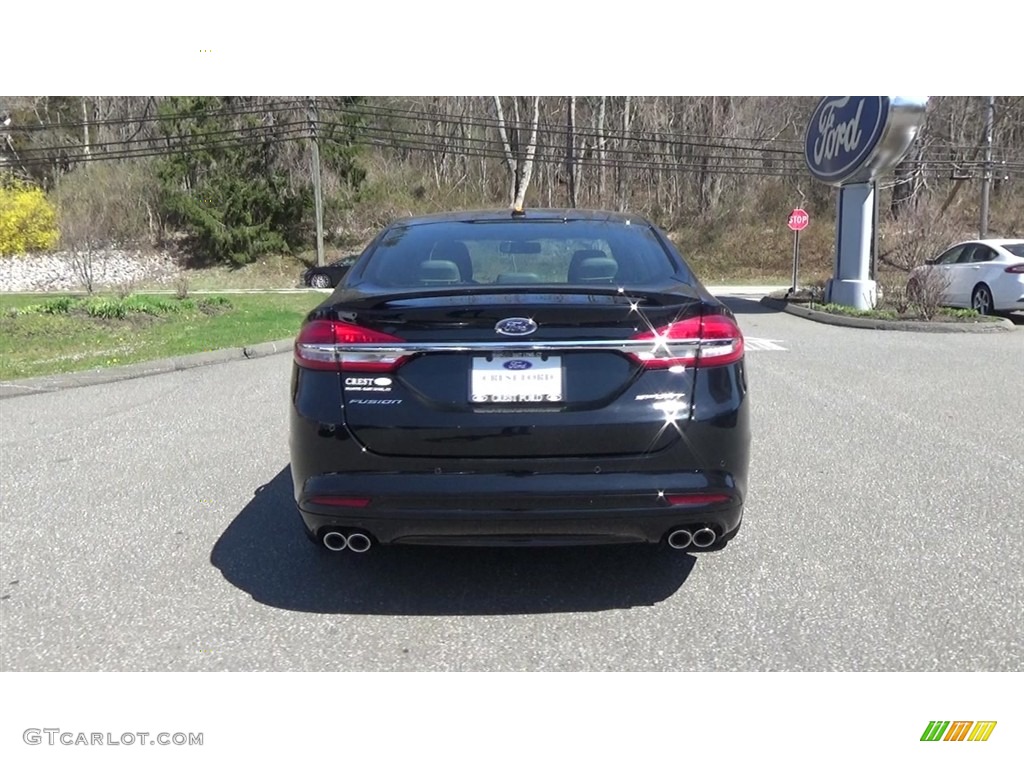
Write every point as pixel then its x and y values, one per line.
pixel 532 378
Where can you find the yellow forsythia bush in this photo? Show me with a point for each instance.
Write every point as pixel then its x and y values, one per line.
pixel 28 222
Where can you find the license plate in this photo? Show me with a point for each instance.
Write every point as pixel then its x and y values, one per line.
pixel 516 378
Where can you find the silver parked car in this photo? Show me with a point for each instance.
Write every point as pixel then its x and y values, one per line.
pixel 985 275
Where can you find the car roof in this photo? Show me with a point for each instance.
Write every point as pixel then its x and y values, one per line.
pixel 528 214
pixel 995 241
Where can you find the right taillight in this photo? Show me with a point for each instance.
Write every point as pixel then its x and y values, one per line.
pixel 699 342
pixel 1016 269
pixel 696 499
pixel 330 345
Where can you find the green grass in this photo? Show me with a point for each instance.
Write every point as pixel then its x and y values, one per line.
pixel 839 309
pixel 59 334
pixel 120 307
pixel 944 314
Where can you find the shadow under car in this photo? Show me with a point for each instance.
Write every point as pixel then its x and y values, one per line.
pixel 265 553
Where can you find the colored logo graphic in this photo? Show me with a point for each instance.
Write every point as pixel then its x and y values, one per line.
pixel 958 730
pixel 518 365
pixel 842 133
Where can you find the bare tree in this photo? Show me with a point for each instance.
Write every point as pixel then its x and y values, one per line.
pixel 602 150
pixel 570 151
pixel 102 205
pixel 518 154
pixel 926 290
pixel 81 233
pixel 916 237
pixel 620 173
pixel 85 126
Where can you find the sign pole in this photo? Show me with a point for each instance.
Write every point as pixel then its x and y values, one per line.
pixel 798 221
pixel 796 257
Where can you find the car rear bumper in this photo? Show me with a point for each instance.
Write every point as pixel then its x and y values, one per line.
pixel 1008 295
pixel 507 509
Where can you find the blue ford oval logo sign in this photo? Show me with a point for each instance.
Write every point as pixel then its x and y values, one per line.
pixel 842 136
pixel 515 326
pixel 518 365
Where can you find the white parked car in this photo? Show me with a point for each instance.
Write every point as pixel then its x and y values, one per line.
pixel 985 275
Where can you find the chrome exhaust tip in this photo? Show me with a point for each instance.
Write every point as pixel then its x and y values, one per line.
pixel 335 541
pixel 704 538
pixel 680 538
pixel 359 542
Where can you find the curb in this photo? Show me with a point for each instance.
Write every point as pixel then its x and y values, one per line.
pixel 873 324
pixel 61 381
pixel 743 291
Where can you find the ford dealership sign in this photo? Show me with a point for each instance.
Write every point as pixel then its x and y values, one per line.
pixel 842 133
pixel 853 139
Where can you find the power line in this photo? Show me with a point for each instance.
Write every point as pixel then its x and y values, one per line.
pixel 637 139
pixel 83 157
pixel 178 141
pixel 277 106
pixel 750 162
pixel 552 129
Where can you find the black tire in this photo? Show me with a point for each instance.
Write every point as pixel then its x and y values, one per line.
pixel 320 281
pixel 981 300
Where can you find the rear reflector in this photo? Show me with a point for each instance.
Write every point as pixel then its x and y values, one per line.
pixel 339 501
pixel 327 345
pixel 693 499
pixel 701 342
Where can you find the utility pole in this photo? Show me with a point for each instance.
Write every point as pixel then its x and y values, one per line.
pixel 986 178
pixel 314 120
pixel 85 126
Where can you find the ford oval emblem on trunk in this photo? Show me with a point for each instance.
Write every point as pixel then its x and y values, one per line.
pixel 515 326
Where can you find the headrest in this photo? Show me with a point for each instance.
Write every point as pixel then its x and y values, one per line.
pixel 517 277
pixel 594 269
pixel 589 253
pixel 457 252
pixel 439 272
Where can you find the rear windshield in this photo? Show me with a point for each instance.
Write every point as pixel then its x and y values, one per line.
pixel 518 253
pixel 1017 249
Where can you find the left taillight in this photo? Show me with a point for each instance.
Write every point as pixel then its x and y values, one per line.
pixel 699 342
pixel 1016 269
pixel 331 345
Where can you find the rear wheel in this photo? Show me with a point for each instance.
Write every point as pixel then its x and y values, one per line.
pixel 981 300
pixel 320 281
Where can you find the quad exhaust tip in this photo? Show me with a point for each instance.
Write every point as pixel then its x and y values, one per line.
pixel 359 542
pixel 704 538
pixel 335 541
pixel 680 539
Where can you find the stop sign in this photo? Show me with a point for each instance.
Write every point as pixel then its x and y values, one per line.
pixel 799 219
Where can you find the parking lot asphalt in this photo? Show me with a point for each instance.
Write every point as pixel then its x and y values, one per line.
pixel 148 525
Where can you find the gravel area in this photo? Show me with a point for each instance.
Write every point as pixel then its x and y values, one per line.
pixel 62 271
